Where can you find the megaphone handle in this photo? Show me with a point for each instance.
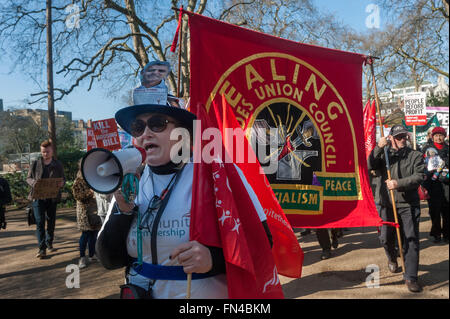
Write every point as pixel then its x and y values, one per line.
pixel 130 186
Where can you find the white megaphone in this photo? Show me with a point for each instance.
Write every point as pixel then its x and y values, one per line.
pixel 104 170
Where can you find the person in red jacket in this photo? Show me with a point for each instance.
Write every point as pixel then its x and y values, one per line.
pixel 437 166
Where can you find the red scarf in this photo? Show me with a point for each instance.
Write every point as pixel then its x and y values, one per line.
pixel 438 146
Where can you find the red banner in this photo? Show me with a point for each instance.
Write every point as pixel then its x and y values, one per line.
pixel 304 97
pixel 106 134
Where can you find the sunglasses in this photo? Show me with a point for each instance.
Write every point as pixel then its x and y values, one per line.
pixel 156 124
pixel 401 136
pixel 149 215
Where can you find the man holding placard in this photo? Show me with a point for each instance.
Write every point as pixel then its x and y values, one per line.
pixel 46 178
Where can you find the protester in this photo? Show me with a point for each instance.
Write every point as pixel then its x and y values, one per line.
pixel 323 236
pixel 87 223
pixel 407 172
pixel 436 183
pixel 103 202
pixel 5 198
pixel 132 231
pixel 45 209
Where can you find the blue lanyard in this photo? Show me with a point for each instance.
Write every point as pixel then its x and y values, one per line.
pixel 139 239
pixel 130 187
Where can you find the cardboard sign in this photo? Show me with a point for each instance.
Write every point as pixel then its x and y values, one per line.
pixel 415 108
pixel 46 188
pixel 91 142
pixel 106 135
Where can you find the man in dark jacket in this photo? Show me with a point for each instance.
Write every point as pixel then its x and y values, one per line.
pixel 5 198
pixel 45 209
pixel 407 172
pixel 437 182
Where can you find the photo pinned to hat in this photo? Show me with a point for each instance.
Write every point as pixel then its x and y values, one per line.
pixel 151 95
pixel 153 88
pixel 155 99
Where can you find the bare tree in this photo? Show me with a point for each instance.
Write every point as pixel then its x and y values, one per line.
pixel 417 33
pixel 111 40
pixel 92 39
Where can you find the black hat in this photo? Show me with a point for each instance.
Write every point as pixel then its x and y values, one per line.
pixel 127 115
pixel 397 130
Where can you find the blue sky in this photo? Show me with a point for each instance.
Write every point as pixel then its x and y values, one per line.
pixel 95 105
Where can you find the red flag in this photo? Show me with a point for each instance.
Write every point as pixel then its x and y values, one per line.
pixel 369 127
pixel 366 113
pixel 236 227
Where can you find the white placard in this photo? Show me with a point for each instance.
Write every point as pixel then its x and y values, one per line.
pixel 415 108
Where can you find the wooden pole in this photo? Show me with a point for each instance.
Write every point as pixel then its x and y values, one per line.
pixel 50 92
pixel 189 276
pixel 394 207
pixel 179 56
pixel 414 138
pixel 188 288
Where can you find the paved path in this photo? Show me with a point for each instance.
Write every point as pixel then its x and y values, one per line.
pixel 344 276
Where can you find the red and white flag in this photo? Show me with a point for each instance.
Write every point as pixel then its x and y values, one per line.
pixel 252 267
pixel 369 127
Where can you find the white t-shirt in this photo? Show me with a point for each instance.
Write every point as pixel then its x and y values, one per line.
pixel 173 230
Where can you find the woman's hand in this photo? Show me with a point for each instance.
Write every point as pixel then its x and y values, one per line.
pixel 193 256
pixel 121 202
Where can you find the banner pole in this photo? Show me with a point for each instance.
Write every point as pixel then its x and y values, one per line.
pixel 179 56
pixel 414 138
pixel 189 276
pixel 394 207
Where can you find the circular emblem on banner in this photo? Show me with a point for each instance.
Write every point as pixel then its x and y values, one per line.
pixel 294 117
pixel 296 146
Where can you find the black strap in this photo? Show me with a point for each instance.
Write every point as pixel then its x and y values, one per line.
pixel 158 217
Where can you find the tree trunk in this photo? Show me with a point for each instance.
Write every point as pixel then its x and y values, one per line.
pixel 138 44
pixel 50 93
pixel 184 46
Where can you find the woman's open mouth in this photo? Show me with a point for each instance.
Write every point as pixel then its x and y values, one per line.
pixel 150 146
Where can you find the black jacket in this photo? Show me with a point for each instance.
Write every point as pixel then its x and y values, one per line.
pixel 5 192
pixel 407 167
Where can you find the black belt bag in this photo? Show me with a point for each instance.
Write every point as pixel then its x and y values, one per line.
pixel 130 291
